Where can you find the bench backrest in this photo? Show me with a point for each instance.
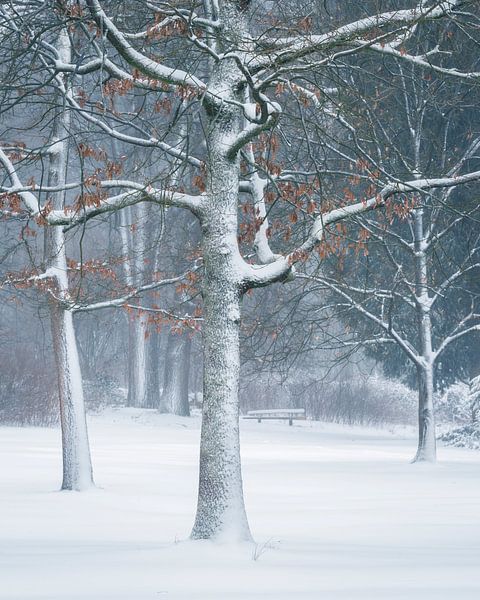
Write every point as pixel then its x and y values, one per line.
pixel 282 412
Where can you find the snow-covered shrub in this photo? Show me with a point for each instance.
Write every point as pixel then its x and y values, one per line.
pixel 102 392
pixel 374 400
pixel 467 436
pixel 453 404
pixel 27 390
pixel 460 403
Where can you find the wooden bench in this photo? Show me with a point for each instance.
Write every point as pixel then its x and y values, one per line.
pixel 278 414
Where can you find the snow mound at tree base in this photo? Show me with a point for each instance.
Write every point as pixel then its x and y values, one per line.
pixel 467 436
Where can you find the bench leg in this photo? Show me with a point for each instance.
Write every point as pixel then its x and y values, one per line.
pixel 259 420
pixel 290 421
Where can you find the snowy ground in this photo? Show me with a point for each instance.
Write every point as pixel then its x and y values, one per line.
pixel 337 513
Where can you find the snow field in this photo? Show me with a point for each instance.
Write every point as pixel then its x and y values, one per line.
pixel 337 513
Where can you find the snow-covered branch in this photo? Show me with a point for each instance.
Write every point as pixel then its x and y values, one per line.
pixel 123 300
pixel 253 130
pixel 138 193
pixel 289 49
pixel 452 338
pixel 261 275
pixel 72 216
pixel 138 60
pixel 384 325
pixel 438 293
pixel 419 61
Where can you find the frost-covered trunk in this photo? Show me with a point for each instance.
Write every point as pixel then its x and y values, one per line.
pixel 220 509
pixel 426 450
pixel 77 467
pixel 185 376
pixel 175 384
pixel 137 323
pixel 152 366
pixel 426 419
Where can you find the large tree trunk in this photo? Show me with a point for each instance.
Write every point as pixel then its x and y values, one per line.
pixel 220 510
pixel 77 467
pixel 175 384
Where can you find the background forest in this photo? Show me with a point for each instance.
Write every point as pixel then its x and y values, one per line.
pixel 335 339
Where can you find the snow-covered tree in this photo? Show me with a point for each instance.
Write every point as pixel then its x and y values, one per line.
pixel 422 299
pixel 226 75
pixel 51 275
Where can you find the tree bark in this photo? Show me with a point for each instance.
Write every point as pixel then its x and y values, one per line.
pixel 185 377
pixel 427 450
pixel 175 385
pixel 137 354
pixel 77 466
pixel 426 418
pixel 152 366
pixel 220 509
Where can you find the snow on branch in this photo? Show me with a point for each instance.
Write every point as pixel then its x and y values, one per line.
pixel 123 300
pixel 137 193
pixel 252 131
pixel 457 334
pixel 186 17
pixel 257 190
pixel 450 280
pixel 72 216
pixel 30 200
pixel 294 47
pixel 386 326
pixel 261 275
pixel 136 59
pixel 420 61
pixel 189 321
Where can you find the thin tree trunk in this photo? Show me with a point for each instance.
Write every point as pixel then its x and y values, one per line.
pixel 184 407
pixel 175 386
pixel 426 419
pixel 152 365
pixel 131 385
pixel 137 324
pixel 77 466
pixel 137 354
pixel 426 450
